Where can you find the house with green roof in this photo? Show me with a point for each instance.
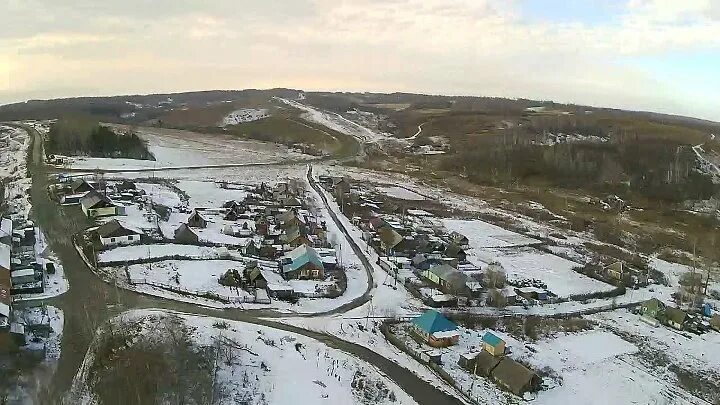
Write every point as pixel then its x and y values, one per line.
pixel 493 344
pixel 436 330
pixel 303 262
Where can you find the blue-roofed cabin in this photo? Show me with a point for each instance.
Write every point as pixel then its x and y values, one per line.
pixel 493 344
pixel 435 329
pixel 303 263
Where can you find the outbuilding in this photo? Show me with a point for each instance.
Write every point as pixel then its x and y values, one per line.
pixel 113 233
pixel 435 329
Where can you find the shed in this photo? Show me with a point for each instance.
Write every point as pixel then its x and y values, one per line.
pixel 715 322
pixel 515 377
pixel 96 205
pixel 652 308
pixel 485 363
pixel 493 344
pixel 456 252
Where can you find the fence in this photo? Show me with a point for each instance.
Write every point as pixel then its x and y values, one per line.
pixel 184 291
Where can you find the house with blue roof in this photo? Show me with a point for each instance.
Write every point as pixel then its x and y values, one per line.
pixel 493 344
pixel 435 329
pixel 303 263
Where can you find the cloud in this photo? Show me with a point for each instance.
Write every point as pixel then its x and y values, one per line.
pixel 481 47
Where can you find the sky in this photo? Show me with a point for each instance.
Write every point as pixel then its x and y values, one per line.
pixel 656 55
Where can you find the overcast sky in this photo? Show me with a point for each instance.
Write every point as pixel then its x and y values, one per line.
pixel 659 55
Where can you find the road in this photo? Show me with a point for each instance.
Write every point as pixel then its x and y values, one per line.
pixel 91 301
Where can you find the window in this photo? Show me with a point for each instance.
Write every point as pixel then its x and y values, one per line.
pixel 112 240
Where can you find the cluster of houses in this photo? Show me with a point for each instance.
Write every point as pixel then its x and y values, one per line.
pixel 269 224
pixel 435 330
pixel 20 273
pixel 417 250
pixel 93 197
pixel 655 313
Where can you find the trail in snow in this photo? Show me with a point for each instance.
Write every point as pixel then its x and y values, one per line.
pixel 412 138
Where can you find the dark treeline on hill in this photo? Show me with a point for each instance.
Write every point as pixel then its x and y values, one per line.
pixel 84 137
pixel 655 168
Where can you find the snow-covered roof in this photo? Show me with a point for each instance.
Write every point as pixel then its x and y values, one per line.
pixel 5 227
pixel 4 256
pixel 445 334
pixel 23 273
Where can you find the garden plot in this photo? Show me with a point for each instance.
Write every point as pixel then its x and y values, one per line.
pixel 530 263
pixel 213 233
pixel 208 193
pixel 481 234
pixel 140 252
pixel 401 193
pixel 161 194
pixel 254 365
pixel 194 276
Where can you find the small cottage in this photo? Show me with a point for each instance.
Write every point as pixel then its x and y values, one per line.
pixel 303 262
pixel 184 234
pixel 448 278
pixel 113 233
pixel 435 329
pixel 485 363
pixel 652 308
pixel 459 239
pixel 456 252
pixel 493 344
pixel 676 318
pixel 196 220
pixel 96 205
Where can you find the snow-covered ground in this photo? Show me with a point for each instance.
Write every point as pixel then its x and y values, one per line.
pixel 338 123
pixel 136 252
pixel 261 365
pixel 209 194
pixel 194 276
pixel 14 144
pixel 481 234
pixel 176 148
pixel 400 193
pixel 244 115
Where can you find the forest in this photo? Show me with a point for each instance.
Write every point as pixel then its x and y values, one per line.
pixel 85 137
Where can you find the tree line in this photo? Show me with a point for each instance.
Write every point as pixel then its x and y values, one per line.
pixel 84 137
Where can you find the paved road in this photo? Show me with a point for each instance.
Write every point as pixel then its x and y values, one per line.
pixel 90 301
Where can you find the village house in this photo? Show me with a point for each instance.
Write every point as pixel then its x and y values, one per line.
pixel 293 237
pixel 302 263
pixel 484 363
pixel 80 186
pixel 493 344
pixel 456 252
pixel 96 205
pixel 113 233
pixel 447 278
pixel 436 330
pixel 676 318
pixel 389 239
pixel 254 276
pixel 652 308
pixel 460 240
pixel 195 220
pixel 184 234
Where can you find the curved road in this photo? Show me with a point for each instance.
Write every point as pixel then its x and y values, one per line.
pixel 90 301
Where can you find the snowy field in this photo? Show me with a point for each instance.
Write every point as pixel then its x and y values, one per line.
pixel 530 263
pixel 400 193
pixel 277 367
pixel 194 276
pixel 177 148
pixel 208 194
pixel 135 252
pixel 481 234
pixel 244 115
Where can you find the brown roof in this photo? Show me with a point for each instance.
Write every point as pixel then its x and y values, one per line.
pixel 514 377
pixel 389 236
pixel 113 229
pixel 486 363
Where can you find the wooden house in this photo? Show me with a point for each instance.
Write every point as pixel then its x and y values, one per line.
pixel 493 344
pixel 303 262
pixel 96 205
pixel 113 233
pixel 436 330
pixel 456 252
pixel 459 239
pixel 448 278
pixel 184 234
pixel 676 318
pixel 196 220
pixel 652 308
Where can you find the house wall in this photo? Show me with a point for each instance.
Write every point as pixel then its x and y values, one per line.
pixel 120 240
pixel 100 212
